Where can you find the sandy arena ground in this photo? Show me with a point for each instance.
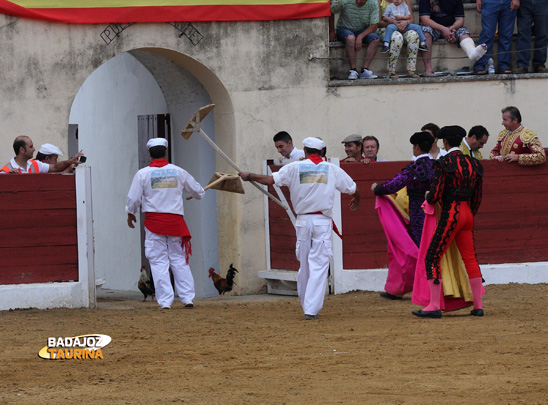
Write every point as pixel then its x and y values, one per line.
pixel 259 350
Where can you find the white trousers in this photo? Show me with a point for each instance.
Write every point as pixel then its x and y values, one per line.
pixel 314 252
pixel 164 252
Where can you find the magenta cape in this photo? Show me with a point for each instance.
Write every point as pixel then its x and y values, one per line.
pixel 456 286
pixel 402 251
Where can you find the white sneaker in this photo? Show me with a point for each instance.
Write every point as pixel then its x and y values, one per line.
pixel 353 75
pixel 367 74
pixel 165 307
pixel 188 305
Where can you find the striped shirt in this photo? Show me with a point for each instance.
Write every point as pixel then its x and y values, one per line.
pixel 355 18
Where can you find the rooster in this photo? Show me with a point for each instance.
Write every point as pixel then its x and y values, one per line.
pixel 146 284
pixel 223 285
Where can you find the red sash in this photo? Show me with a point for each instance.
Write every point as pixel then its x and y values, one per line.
pixel 335 229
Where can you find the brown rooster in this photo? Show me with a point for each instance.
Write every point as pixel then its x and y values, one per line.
pixel 223 285
pixel 146 284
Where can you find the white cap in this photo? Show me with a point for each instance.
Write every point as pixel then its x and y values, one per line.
pixel 157 142
pixel 314 143
pixel 49 149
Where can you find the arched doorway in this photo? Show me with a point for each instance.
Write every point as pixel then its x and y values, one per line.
pixel 105 113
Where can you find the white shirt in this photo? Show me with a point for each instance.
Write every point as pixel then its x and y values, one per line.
pixel 441 153
pixel 312 187
pixel 296 154
pixel 42 167
pixel 160 189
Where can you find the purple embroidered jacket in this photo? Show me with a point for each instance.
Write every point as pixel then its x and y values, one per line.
pixel 417 176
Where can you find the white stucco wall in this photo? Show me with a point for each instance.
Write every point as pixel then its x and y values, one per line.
pixel 106 109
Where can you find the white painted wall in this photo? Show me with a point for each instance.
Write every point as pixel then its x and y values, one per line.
pixel 106 109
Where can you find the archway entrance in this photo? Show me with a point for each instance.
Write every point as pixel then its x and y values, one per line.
pixel 104 124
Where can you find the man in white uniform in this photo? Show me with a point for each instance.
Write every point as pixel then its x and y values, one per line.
pixel 158 190
pixel 312 184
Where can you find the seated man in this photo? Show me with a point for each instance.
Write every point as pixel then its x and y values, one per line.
pixel 284 143
pixel 517 143
pixel 22 162
pixel 353 146
pixel 471 144
pixel 445 18
pixel 371 149
pixel 356 26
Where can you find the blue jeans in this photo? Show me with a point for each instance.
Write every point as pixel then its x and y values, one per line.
pixel 493 13
pixel 342 33
pixel 391 28
pixel 529 12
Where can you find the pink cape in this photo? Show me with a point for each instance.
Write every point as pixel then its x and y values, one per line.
pixel 421 290
pixel 402 251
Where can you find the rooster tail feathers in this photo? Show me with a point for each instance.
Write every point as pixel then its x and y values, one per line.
pixel 230 275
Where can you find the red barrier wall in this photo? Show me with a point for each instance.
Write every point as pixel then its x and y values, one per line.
pixel 511 225
pixel 38 235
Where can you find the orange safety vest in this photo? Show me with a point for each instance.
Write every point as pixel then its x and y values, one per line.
pixel 32 169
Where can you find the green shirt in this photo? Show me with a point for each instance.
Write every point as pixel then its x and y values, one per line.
pixel 355 18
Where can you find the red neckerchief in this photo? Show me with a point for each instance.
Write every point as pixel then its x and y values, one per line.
pixel 158 163
pixel 315 159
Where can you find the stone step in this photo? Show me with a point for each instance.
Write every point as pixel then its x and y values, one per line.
pixel 445 57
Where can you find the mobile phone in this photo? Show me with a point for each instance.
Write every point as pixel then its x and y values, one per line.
pixel 82 159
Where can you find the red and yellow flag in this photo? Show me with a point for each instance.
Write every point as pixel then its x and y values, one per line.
pixel 129 11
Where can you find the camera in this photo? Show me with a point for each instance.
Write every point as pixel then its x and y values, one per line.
pixel 82 159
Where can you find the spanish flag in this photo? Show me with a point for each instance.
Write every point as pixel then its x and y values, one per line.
pixel 132 11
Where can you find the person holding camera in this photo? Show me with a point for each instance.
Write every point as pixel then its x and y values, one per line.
pixel 23 162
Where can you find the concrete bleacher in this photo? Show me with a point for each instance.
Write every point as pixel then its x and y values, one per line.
pixel 446 57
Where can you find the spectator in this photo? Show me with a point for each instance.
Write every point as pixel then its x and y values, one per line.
pixel 357 23
pixel 501 14
pixel 284 143
pixel 517 143
pixel 49 153
pixel 353 146
pixel 398 11
pixel 471 144
pixel 397 39
pixel 445 19
pixel 435 151
pixel 371 149
pixel 532 12
pixel 22 162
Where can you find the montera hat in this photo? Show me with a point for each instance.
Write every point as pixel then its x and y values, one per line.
pixel 49 149
pixel 419 137
pixel 451 131
pixel 352 138
pixel 157 142
pixel 313 143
